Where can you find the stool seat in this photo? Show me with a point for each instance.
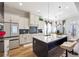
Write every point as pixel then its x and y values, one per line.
pixel 68 45
pixel 74 39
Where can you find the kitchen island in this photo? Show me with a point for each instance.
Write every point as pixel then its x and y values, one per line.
pixel 44 46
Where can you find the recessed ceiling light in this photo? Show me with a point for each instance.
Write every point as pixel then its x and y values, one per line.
pixel 59 6
pixel 20 4
pixel 67 7
pixel 38 11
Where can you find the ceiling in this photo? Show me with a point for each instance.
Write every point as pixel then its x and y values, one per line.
pixel 51 10
pixel 77 5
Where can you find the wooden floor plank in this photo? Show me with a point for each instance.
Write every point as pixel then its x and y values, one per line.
pixel 22 52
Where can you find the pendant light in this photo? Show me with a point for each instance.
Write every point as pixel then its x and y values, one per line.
pixel 47 20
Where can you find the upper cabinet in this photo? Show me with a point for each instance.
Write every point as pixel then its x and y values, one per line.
pixel 7 29
pixel 23 23
pixel 34 20
pixel 1 11
pixel 16 16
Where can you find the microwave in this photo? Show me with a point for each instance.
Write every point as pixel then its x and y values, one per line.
pixel 33 29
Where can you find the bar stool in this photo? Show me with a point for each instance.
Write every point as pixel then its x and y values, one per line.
pixel 68 46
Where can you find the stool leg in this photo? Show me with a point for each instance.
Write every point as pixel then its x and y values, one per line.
pixel 74 53
pixel 66 53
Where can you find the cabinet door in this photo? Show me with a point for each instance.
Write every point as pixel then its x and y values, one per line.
pixel 34 20
pixel 23 39
pixel 23 23
pixel 7 29
pixel 29 38
pixel 14 43
pixel 7 17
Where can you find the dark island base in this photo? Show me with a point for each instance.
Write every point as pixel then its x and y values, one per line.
pixel 52 49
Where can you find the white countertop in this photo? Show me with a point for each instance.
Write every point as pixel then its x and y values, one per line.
pixel 48 39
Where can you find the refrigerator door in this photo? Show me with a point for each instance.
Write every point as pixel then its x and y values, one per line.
pixel 14 29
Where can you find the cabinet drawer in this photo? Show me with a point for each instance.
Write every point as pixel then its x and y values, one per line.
pixel 13 44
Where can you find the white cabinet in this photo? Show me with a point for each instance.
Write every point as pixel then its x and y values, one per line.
pixel 25 38
pixel 34 20
pixel 1 19
pixel 29 38
pixel 7 17
pixel 7 29
pixel 23 23
pixel 6 47
pixel 14 43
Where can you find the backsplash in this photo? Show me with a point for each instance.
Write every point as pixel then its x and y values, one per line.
pixel 23 31
pixel 26 31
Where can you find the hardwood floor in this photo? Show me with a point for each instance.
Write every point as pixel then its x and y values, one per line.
pixel 27 51
pixel 22 52
pixel 1 53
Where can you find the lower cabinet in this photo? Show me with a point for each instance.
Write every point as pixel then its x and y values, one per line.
pixel 25 38
pixel 14 43
pixel 6 47
pixel 29 38
pixel 22 39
